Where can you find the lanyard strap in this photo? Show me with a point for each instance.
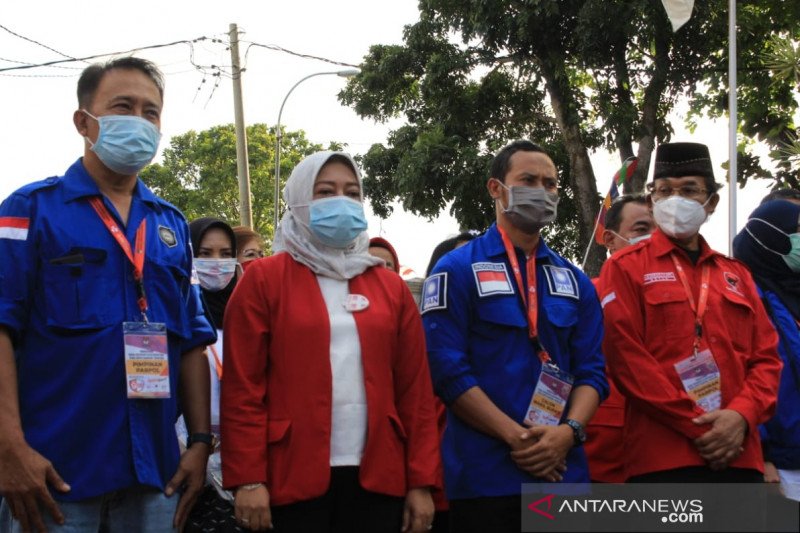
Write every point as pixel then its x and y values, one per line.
pixel 530 301
pixel 136 257
pixel 217 362
pixel 702 303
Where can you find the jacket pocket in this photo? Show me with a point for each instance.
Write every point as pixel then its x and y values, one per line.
pixel 505 311
pixel 277 430
pixel 667 311
pixel 739 317
pixel 167 290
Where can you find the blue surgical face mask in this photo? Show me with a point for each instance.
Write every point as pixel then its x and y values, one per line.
pixel 792 257
pixel 337 221
pixel 125 143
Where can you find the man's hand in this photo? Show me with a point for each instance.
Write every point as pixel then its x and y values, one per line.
pixel 191 476
pixel 771 473
pixel 418 511
pixel 543 451
pixel 24 480
pixel 251 508
pixel 723 442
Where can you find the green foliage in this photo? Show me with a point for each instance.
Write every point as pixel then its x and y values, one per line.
pixel 199 174
pixel 572 75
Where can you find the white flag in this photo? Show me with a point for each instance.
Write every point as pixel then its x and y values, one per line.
pixel 678 11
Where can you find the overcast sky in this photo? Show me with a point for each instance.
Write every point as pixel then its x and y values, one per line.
pixel 36 105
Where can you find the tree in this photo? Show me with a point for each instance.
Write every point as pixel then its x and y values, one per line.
pixel 199 172
pixel 572 75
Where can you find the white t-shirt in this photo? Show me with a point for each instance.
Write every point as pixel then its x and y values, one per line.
pixel 349 416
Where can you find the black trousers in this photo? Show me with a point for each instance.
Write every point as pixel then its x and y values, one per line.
pixel 345 508
pixel 700 474
pixel 498 514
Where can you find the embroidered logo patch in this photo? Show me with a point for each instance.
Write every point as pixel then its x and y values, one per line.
pixel 561 281
pixel 732 281
pixel 434 293
pixel 655 277
pixel 491 278
pixel 167 236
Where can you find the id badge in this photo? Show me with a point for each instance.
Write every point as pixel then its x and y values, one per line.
pixel 701 380
pixel 146 360
pixel 549 397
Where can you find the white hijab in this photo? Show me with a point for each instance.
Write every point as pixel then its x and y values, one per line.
pixel 294 234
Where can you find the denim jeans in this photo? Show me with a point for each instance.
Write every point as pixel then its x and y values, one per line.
pixel 135 509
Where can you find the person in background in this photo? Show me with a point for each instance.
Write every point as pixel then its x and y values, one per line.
pixel 327 411
pixel 782 194
pixel 101 331
pixel 769 244
pixel 380 247
pixel 628 222
pixel 687 338
pixel 446 246
pixel 505 317
pixel 214 245
pixel 249 244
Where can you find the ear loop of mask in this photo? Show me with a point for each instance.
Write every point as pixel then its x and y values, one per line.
pixel 510 198
pixel 757 239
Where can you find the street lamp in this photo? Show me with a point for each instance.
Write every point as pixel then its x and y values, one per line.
pixel 347 73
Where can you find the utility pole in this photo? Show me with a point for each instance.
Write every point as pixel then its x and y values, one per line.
pixel 242 162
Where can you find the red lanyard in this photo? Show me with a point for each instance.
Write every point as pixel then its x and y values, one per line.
pixel 530 302
pixel 136 257
pixel 700 310
pixel 217 362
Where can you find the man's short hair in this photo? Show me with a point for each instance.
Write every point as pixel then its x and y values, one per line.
pixel 781 194
pixel 500 163
pixel 613 218
pixel 93 74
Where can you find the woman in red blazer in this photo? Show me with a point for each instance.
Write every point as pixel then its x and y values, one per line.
pixel 327 405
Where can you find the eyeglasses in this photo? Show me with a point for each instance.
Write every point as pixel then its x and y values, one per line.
pixel 686 191
pixel 253 254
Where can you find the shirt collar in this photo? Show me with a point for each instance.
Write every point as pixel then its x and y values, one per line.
pixel 79 184
pixel 662 245
pixel 495 246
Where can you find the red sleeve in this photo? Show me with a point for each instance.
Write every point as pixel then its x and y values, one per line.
pixel 635 371
pixel 243 411
pixel 758 398
pixel 414 398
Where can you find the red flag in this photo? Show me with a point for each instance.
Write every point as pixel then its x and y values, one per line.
pixel 624 173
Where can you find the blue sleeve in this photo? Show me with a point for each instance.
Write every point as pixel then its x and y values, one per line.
pixel 587 361
pixel 19 264
pixel 202 333
pixel 446 330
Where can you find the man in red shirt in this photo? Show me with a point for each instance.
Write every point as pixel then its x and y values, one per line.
pixel 687 339
pixel 627 222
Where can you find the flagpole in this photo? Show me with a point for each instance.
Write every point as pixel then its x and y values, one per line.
pixel 733 124
pixel 591 239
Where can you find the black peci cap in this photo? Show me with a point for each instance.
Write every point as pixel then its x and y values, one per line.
pixel 675 160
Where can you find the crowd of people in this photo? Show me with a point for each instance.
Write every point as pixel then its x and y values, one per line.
pixel 157 374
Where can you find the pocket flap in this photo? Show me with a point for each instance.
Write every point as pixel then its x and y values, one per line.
pixel 277 430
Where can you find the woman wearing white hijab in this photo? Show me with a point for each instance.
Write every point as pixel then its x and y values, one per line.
pixel 327 404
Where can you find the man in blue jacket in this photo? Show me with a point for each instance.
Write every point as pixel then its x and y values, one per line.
pixel 101 330
pixel 504 351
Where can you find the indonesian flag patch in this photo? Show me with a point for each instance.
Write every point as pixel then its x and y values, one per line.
pixel 492 278
pixel 14 228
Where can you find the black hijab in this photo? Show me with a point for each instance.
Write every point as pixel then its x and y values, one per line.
pixel 215 300
pixel 769 269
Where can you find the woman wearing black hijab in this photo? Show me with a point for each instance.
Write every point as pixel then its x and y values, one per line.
pixel 770 245
pixel 214 247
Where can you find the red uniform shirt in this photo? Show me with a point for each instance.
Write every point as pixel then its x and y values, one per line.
pixel 650 326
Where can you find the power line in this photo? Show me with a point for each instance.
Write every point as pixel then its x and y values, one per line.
pixel 95 56
pixel 7 60
pixel 277 48
pixel 35 42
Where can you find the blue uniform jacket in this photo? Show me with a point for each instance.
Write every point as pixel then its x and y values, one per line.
pixel 477 335
pixel 780 436
pixel 66 286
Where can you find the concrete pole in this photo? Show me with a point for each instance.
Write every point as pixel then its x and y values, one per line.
pixel 242 162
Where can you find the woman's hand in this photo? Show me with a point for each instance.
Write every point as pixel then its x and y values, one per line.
pixel 251 508
pixel 418 511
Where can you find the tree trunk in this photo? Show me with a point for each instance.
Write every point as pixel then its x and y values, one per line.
pixel 581 173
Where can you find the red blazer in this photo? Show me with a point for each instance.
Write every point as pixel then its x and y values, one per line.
pixel 276 395
pixel 650 327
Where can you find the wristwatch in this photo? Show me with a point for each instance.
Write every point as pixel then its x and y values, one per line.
pixel 578 433
pixel 205 438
